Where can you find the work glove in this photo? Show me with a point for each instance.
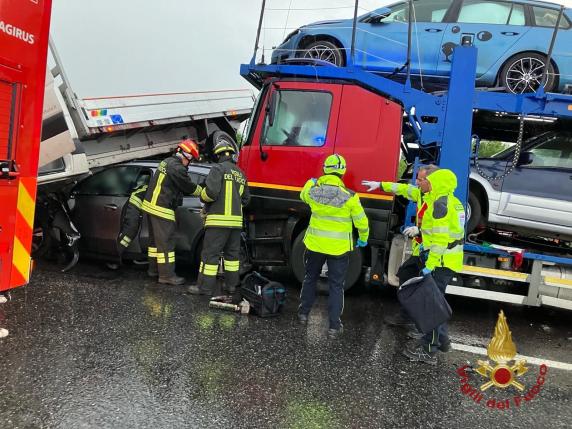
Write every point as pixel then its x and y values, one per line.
pixel 425 272
pixel 371 185
pixel 411 231
pixel 361 243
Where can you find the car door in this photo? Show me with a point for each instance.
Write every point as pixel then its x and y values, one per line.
pixel 301 124
pixel 99 202
pixel 494 27
pixel 541 192
pixel 139 243
pixel 189 221
pixel 382 42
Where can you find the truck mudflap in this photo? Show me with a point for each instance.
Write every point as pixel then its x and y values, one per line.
pixel 376 273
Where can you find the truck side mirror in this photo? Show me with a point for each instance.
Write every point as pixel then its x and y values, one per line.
pixel 525 158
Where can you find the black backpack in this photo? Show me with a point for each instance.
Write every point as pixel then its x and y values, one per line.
pixel 266 297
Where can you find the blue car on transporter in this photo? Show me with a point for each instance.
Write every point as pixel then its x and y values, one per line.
pixel 512 38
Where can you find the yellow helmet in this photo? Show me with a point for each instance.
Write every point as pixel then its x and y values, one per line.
pixel 335 164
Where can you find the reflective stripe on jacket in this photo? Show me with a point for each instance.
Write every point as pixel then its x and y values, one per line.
pixel 412 193
pixel 166 188
pixel 443 225
pixel 335 209
pixel 137 196
pixel 131 219
pixel 225 193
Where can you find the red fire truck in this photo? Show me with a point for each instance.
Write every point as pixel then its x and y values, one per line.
pixel 24 30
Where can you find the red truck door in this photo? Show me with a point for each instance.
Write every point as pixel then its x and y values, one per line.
pixel 292 135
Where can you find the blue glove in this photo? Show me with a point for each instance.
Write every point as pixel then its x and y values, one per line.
pixel 425 271
pixel 361 243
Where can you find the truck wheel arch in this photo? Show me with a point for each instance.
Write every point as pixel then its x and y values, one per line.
pixel 478 192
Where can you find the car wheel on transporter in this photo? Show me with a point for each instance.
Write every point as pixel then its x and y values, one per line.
pixel 325 51
pixel 523 73
pixel 474 212
pixel 297 262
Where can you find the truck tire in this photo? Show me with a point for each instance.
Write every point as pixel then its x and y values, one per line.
pixel 42 240
pixel 219 136
pixel 297 262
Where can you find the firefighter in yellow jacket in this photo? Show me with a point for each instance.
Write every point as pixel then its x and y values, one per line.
pixel 441 254
pixel 164 194
pixel 225 194
pixel 335 211
pixel 413 265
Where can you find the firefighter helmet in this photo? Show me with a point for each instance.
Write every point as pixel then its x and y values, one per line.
pixel 189 149
pixel 335 164
pixel 224 146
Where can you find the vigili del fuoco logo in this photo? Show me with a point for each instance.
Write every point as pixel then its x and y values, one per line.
pixel 503 380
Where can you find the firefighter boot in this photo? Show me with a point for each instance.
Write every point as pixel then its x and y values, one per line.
pixel 167 275
pixel 196 290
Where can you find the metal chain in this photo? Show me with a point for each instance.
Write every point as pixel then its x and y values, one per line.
pixel 517 151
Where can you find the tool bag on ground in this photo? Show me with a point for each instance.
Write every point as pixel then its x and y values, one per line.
pixel 266 297
pixel 424 303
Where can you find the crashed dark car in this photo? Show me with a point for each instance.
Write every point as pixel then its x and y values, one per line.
pixel 98 202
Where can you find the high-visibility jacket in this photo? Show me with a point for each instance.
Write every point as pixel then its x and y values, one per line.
pixel 225 194
pixel 412 193
pixel 335 209
pixel 443 225
pixel 166 188
pixel 131 220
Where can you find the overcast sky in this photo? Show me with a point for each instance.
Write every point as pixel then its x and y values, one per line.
pixel 115 47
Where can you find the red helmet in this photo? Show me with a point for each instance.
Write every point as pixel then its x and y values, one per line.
pixel 189 148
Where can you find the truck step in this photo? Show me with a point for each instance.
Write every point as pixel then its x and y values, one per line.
pixel 556 281
pixel 494 273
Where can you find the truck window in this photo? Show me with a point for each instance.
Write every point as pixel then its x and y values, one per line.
pixel 301 119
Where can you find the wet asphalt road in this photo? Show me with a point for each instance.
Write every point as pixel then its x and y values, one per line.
pixel 100 349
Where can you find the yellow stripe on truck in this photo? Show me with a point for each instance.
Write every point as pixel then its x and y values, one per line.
pixel 21 259
pixel 298 188
pixel 26 205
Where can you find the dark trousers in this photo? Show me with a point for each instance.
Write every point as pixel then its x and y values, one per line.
pixel 337 269
pixel 439 335
pixel 408 270
pixel 217 241
pixel 161 250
